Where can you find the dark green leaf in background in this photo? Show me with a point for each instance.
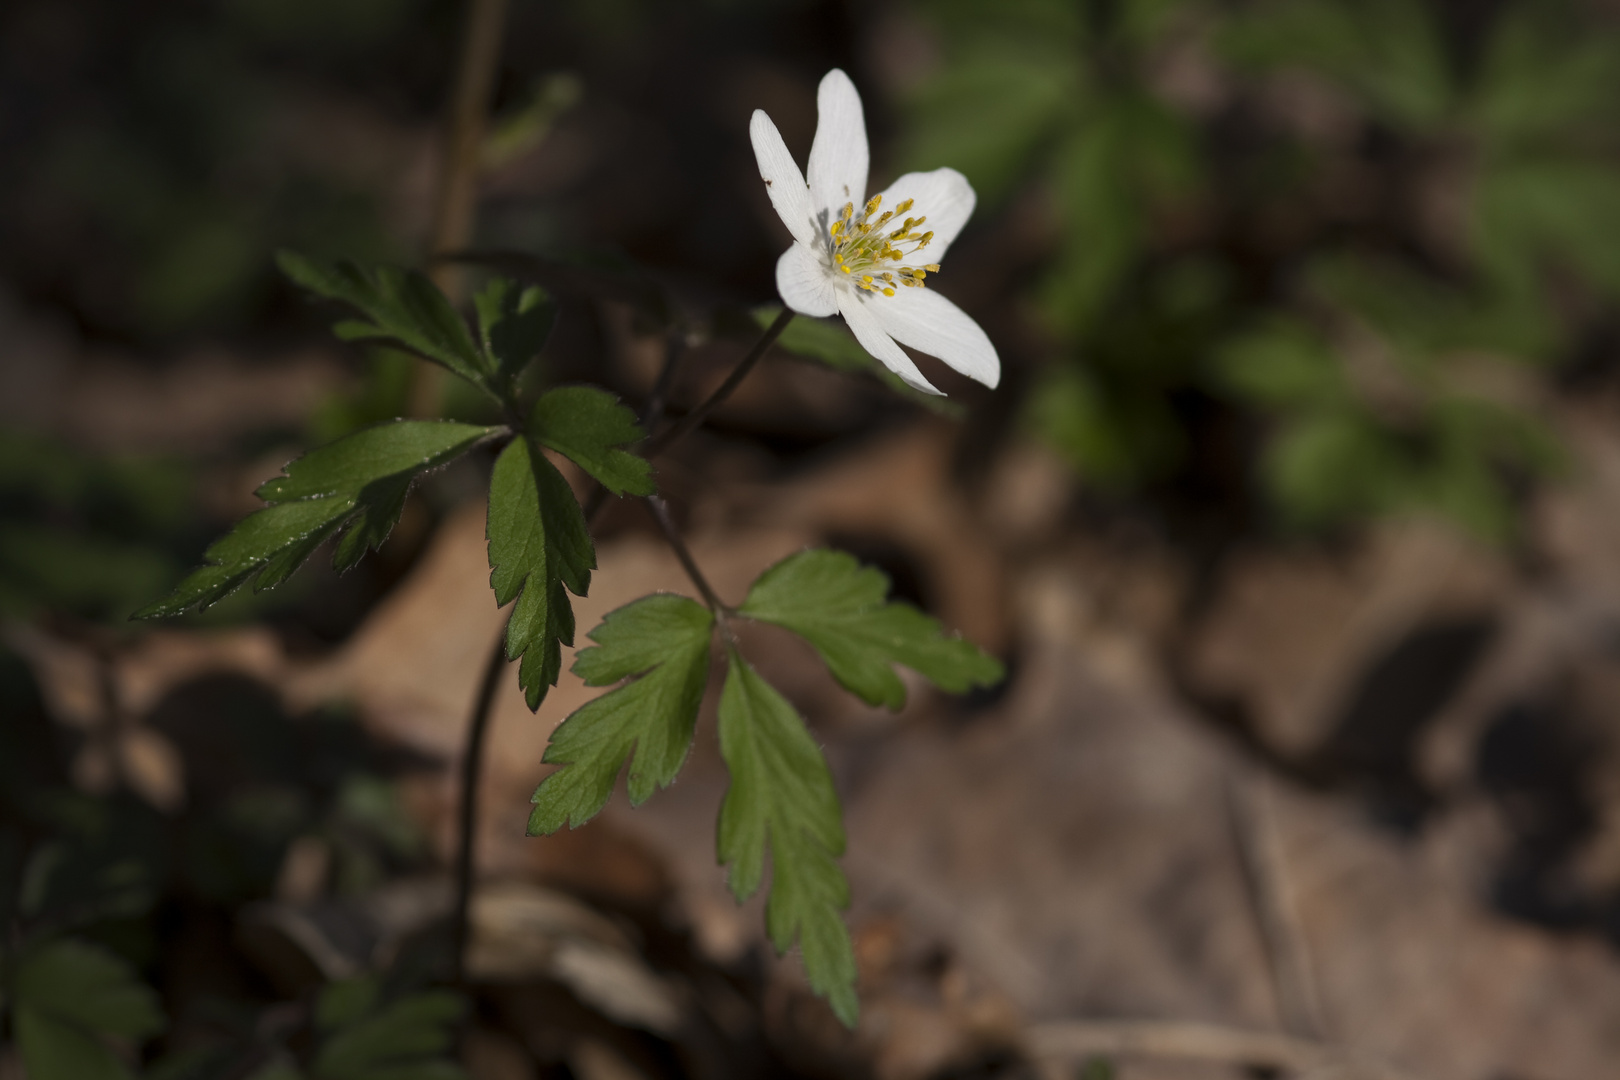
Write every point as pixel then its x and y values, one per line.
pixel 69 995
pixel 358 483
pixel 513 323
pixel 841 608
pixel 588 426
pixel 782 796
pixel 411 1038
pixel 830 342
pixel 661 643
pixel 401 306
pixel 538 544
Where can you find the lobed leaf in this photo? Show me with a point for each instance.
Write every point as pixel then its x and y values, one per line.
pixel 538 546
pixel 513 326
pixel 401 306
pixel 661 643
pixel 52 1049
pixel 410 1039
pixel 68 996
pixel 588 425
pixel 782 796
pixel 79 983
pixel 841 609
pixel 355 486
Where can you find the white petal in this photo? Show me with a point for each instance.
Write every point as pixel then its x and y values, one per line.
pixel 944 196
pixel 838 157
pixel 932 324
pixel 784 183
pixel 862 322
pixel 804 282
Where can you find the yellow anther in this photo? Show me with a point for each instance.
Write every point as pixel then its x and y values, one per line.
pixel 872 206
pixel 888 292
pixel 845 269
pixel 932 268
pixel 836 226
pixel 867 278
pixel 849 208
pixel 919 274
pixel 903 207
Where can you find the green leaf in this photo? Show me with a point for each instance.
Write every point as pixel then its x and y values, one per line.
pixel 346 1002
pixel 54 1049
pixel 1535 81
pixel 78 983
pixel 830 342
pixel 588 425
pixel 538 544
pixel 407 1040
pixel 513 325
pixel 1283 365
pixel 661 643
pixel 782 795
pixel 835 604
pixel 358 484
pixel 401 306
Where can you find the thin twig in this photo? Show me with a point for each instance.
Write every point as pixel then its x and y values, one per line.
pixel 678 430
pixel 1199 1042
pixel 471 765
pixel 666 525
pixel 457 200
pixel 1293 980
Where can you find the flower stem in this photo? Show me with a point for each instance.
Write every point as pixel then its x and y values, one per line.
pixel 666 525
pixel 455 203
pixel 472 758
pixel 685 424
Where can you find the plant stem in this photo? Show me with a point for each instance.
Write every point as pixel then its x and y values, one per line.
pixel 457 200
pixel 471 765
pixel 691 420
pixel 666 525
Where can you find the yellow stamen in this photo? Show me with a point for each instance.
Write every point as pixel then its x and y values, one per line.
pixel 888 292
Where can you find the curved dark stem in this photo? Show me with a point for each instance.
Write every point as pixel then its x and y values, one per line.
pixel 666 525
pixel 678 430
pixel 472 760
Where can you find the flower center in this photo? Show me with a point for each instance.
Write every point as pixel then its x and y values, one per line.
pixel 872 249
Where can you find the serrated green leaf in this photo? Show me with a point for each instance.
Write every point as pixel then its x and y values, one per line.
pixel 407 1040
pixel 782 796
pixel 538 544
pixel 53 1049
pixel 79 983
pixel 841 608
pixel 358 484
pixel 661 642
pixel 589 425
pixel 401 306
pixel 513 325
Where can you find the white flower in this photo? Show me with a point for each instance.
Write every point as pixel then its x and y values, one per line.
pixel 860 258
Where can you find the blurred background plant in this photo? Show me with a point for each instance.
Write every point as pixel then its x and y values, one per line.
pixel 1328 254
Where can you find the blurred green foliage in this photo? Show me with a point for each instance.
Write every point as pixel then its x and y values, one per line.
pixel 90 884
pixel 86 535
pixel 1359 234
